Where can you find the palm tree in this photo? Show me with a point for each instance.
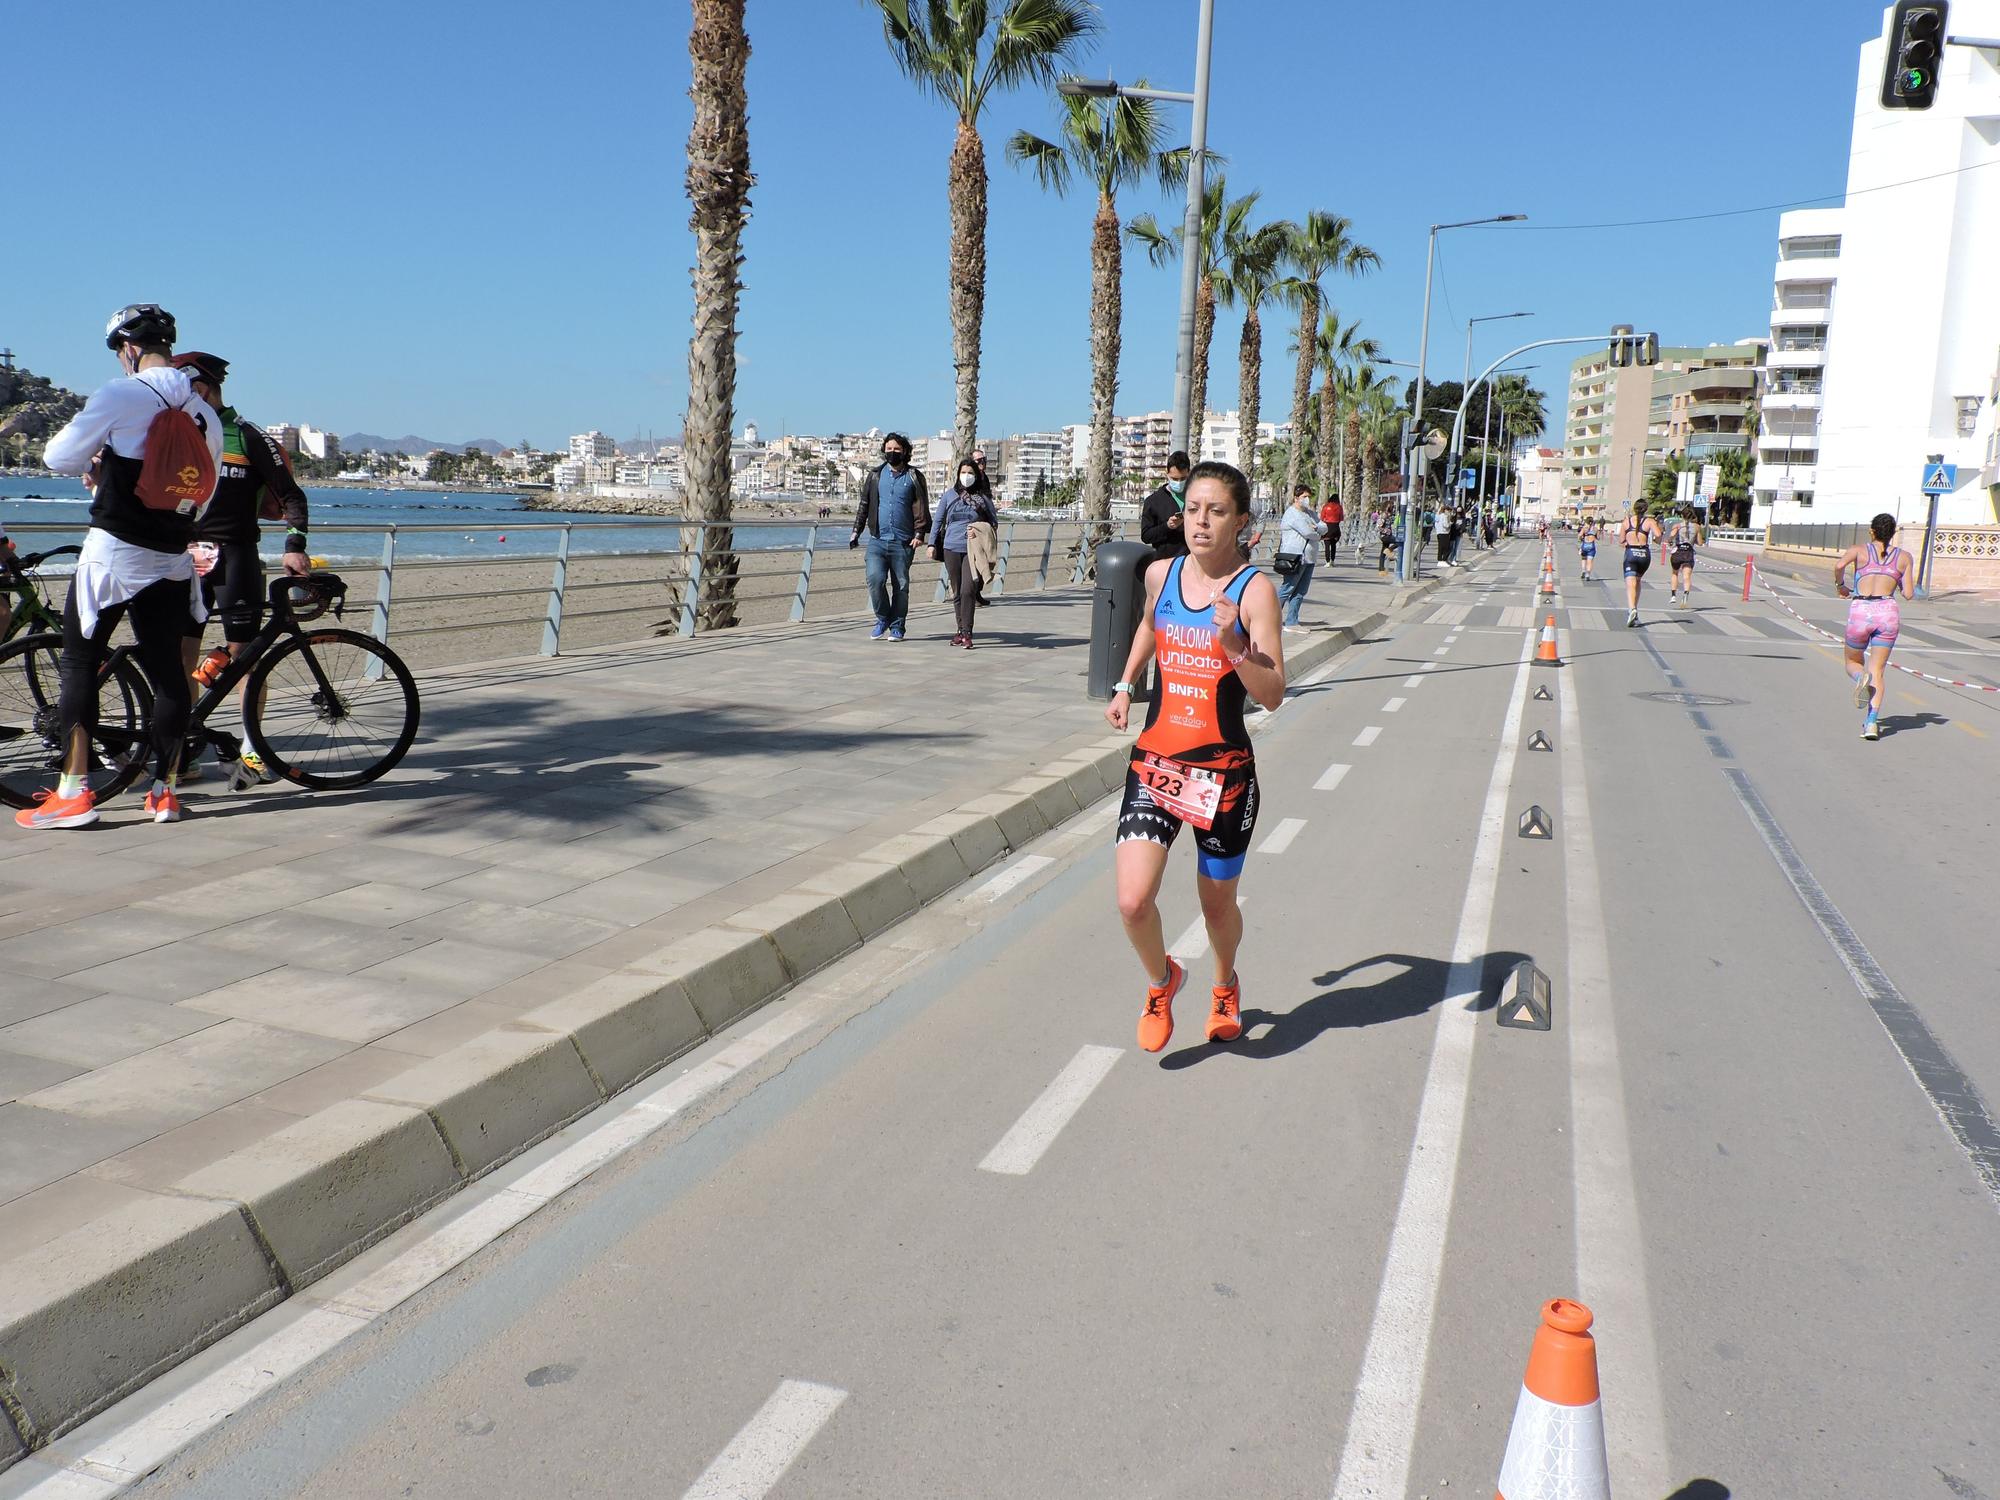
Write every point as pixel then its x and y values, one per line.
pixel 963 51
pixel 1362 392
pixel 1113 143
pixel 1339 347
pixel 1381 422
pixel 718 189
pixel 1252 255
pixel 1521 405
pixel 1320 246
pixel 1162 248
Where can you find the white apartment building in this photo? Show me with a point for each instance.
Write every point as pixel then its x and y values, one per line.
pixel 1076 448
pixel 1037 456
pixel 1795 368
pixel 567 474
pixel 285 435
pixel 585 446
pixel 1912 336
pixel 316 442
pixel 1146 443
pixel 1538 474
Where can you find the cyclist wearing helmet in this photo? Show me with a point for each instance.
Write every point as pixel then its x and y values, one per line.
pixel 254 481
pixel 134 563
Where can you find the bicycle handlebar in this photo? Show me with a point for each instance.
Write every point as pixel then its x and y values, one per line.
pixel 36 559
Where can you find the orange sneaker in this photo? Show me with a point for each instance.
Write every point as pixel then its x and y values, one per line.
pixel 51 811
pixel 1157 1024
pixel 163 806
pixel 1225 1020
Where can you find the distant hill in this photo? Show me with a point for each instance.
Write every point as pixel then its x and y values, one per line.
pixel 32 409
pixel 368 442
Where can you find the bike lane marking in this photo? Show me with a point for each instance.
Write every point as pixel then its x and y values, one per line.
pixel 1032 1135
pixel 1382 1426
pixel 769 1443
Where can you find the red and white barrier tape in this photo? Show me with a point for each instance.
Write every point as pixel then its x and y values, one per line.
pixel 1779 600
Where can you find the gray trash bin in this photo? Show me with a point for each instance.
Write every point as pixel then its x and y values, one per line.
pixel 1114 614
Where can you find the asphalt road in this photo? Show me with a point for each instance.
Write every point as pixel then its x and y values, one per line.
pixel 954 1235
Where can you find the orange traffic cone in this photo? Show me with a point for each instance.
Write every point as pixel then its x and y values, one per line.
pixel 1546 652
pixel 1555 1450
pixel 1548 583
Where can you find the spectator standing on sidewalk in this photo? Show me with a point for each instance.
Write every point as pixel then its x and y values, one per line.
pixel 1331 515
pixel 895 512
pixel 964 505
pixel 1298 545
pixel 1160 524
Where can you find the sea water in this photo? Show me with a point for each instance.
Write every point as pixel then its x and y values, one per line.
pixel 429 523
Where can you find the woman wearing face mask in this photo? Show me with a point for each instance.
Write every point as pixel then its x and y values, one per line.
pixel 965 503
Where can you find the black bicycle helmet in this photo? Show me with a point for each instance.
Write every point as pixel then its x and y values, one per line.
pixel 140 323
pixel 210 367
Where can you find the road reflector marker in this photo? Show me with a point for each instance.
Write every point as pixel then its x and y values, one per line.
pixel 1539 741
pixel 1543 695
pixel 1535 824
pixel 1529 1003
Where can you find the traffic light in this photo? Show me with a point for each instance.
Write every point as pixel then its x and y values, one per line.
pixel 1916 42
pixel 1629 349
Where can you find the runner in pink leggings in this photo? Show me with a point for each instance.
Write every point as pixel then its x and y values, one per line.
pixel 1874 617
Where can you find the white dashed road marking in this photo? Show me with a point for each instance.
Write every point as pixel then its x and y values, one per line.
pixel 1331 777
pixel 1282 836
pixel 1368 736
pixel 770 1442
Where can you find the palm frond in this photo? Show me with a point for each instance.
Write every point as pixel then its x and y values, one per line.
pixel 1050 161
pixel 1161 247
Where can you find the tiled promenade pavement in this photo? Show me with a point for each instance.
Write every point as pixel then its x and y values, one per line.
pixel 169 994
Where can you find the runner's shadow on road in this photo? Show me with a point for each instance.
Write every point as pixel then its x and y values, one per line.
pixel 1897 723
pixel 1701 1489
pixel 1398 986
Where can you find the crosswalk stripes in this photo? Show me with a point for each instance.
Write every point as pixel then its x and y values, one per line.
pixel 1517 617
pixel 1732 626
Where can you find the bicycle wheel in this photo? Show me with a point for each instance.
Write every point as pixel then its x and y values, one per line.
pixel 31 747
pixel 331 709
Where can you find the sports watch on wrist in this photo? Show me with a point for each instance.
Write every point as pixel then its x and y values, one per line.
pixel 1122 687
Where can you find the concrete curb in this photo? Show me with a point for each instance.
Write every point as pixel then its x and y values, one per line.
pixel 90 1317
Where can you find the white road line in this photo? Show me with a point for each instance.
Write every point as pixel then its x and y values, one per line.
pixel 1394 705
pixel 1442 651
pixel 1382 1429
pixel 1429 666
pixel 115 1451
pixel 1368 736
pixel 1012 876
pixel 1022 1146
pixel 1193 943
pixel 1413 682
pixel 1282 836
pixel 1323 673
pixel 1610 1251
pixel 1332 776
pixel 770 1442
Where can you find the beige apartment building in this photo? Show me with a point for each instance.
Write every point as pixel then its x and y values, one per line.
pixel 1620 422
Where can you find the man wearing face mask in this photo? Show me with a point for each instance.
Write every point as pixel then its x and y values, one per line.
pixel 1160 525
pixel 895 512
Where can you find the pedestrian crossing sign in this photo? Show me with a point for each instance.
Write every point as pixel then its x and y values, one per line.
pixel 1940 479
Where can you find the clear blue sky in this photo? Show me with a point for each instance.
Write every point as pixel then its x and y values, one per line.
pixel 463 219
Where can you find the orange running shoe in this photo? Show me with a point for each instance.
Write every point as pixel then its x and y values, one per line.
pixel 52 811
pixel 1157 1024
pixel 163 806
pixel 1225 1020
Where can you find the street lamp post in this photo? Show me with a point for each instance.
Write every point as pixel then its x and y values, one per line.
pixel 1406 562
pixel 1093 88
pixel 1466 395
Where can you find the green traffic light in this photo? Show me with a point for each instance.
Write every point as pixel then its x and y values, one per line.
pixel 1914 80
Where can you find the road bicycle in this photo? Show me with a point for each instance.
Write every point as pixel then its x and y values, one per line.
pixel 327 709
pixel 31 611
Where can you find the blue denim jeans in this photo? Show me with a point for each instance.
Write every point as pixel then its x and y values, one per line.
pixel 1292 590
pixel 889 580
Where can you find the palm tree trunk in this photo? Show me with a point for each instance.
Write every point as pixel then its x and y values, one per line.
pixel 718 189
pixel 1328 410
pixel 1249 376
pixel 1204 332
pixel 1371 474
pixel 967 192
pixel 1106 311
pixel 1350 479
pixel 1302 379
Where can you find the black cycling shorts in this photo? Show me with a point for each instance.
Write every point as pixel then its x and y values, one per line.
pixel 1224 846
pixel 1637 560
pixel 1683 557
pixel 234 591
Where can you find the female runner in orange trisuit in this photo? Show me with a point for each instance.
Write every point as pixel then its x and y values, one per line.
pixel 1212 623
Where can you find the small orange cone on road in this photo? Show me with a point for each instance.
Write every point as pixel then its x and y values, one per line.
pixel 1555 1450
pixel 1546 652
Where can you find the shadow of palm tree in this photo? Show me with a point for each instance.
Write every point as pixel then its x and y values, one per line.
pixel 1411 986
